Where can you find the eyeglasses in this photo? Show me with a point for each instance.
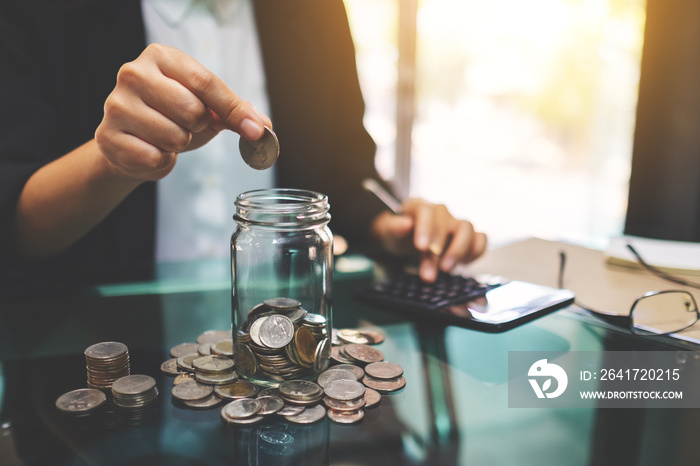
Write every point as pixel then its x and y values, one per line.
pixel 655 312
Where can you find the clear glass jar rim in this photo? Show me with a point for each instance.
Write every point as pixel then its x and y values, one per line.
pixel 282 208
pixel 293 199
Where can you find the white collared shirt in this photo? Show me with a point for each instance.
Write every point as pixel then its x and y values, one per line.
pixel 196 200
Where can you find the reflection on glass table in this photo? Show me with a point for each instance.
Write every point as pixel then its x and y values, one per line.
pixel 453 410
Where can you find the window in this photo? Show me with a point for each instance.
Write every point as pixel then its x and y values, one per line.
pixel 525 111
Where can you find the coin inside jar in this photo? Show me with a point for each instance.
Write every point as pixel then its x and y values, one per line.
pixel 260 154
pixel 277 331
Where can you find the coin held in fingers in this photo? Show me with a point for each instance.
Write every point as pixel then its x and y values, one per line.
pixel 260 154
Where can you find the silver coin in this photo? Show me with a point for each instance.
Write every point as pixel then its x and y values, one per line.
pixel 255 330
pixel 211 401
pixel 384 386
pixel 356 370
pixel 213 364
pixel 80 401
pixel 223 347
pixel 169 367
pixel 271 391
pixel 344 390
pixel 242 408
pixel 334 374
pixel 353 405
pixel 133 385
pixel 183 349
pixel 236 390
pixel 300 389
pixel 184 363
pixel 322 355
pixel 384 370
pixel 204 349
pixel 296 315
pixel 222 378
pixel 372 398
pixel 362 353
pixel 182 378
pixel 106 350
pixel 282 304
pixel 349 335
pixel 291 410
pixel 335 340
pixel 244 421
pixel 269 404
pixel 212 336
pixel 310 415
pixel 277 331
pixel 343 417
pixel 190 391
pixel 314 319
pixel 260 154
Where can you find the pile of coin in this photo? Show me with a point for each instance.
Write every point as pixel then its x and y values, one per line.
pixel 280 340
pixel 195 395
pixel 134 391
pixel 118 396
pixel 345 400
pixel 384 377
pixel 105 363
pixel 342 392
pixel 356 353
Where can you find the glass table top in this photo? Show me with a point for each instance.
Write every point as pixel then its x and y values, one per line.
pixel 453 410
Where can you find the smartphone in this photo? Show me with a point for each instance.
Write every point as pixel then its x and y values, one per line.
pixel 501 306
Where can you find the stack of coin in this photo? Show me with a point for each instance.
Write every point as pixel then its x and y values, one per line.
pixel 214 370
pixel 81 402
pixel 105 363
pixel 281 341
pixel 134 391
pixel 384 377
pixel 345 400
pixel 356 353
pixel 193 394
pixel 301 392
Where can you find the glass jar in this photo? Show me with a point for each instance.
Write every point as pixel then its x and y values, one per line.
pixel 281 270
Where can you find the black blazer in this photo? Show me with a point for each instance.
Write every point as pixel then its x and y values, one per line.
pixel 58 62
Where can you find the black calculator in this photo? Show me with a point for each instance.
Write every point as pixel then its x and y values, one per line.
pixel 409 291
pixel 489 304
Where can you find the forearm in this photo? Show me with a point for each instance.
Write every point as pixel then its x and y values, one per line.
pixel 65 199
